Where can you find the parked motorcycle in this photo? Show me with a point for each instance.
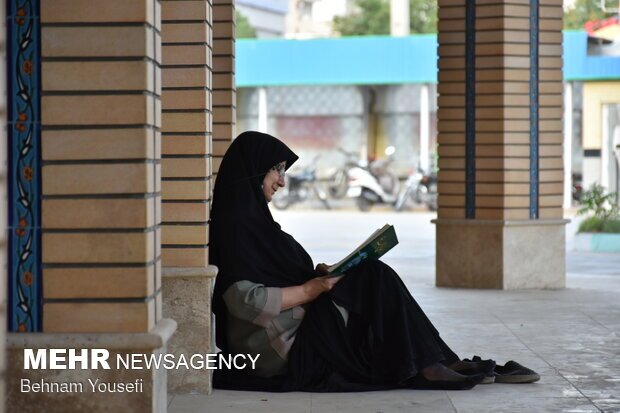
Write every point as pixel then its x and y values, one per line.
pixel 339 182
pixel 375 184
pixel 299 186
pixel 421 188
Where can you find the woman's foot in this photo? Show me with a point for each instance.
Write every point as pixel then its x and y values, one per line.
pixel 439 377
pixel 439 372
pixel 469 367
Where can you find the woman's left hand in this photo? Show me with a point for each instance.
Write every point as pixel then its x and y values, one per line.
pixel 322 269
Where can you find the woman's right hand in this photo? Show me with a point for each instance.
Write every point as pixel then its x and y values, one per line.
pixel 308 291
pixel 319 285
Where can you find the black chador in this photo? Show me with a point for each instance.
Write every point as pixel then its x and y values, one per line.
pixel 386 340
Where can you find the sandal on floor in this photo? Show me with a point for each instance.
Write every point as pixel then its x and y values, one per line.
pixel 481 366
pixel 513 372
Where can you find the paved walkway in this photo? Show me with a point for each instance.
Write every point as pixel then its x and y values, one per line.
pixel 571 336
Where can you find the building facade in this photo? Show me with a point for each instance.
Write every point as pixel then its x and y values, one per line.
pixel 267 17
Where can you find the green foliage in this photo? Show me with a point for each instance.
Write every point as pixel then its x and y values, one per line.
pixel 594 224
pixel 603 208
pixel 612 226
pixel 591 224
pixel 423 16
pixel 602 205
pixel 243 29
pixel 373 18
pixel 582 12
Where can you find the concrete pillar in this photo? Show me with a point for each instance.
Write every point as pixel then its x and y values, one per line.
pixel 224 90
pixel 263 115
pixel 500 145
pixel 399 18
pixel 424 128
pixel 100 142
pixel 568 145
pixel 606 156
pixel 187 33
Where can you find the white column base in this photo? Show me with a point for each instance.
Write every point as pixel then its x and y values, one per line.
pixel 500 254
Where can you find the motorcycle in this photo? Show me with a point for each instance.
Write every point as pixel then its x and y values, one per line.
pixel 299 186
pixel 339 182
pixel 421 188
pixel 373 185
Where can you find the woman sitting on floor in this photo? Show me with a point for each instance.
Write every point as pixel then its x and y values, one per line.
pixel 355 332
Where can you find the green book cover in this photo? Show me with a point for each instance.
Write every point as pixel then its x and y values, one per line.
pixel 380 242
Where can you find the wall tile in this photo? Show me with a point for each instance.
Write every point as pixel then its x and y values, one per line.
pixel 98 248
pixel 98 179
pixel 98 317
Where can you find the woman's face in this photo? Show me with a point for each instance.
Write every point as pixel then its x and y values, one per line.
pixel 274 180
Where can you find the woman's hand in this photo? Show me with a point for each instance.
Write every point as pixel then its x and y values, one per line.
pixel 319 285
pixel 308 291
pixel 322 269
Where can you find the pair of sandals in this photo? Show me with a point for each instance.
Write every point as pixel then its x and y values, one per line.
pixel 482 372
pixel 511 372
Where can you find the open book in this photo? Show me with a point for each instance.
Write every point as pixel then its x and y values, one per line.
pixel 377 244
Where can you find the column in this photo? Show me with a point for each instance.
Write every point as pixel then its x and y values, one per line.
pixel 500 144
pixel 399 18
pixel 606 157
pixel 101 148
pixel 186 132
pixel 424 129
pixel 568 145
pixel 101 204
pixel 186 183
pixel 224 90
pixel 263 115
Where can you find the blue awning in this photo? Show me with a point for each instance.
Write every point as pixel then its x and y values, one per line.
pixel 378 60
pixel 579 66
pixel 337 61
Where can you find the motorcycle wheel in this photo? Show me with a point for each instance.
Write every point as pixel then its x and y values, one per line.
pixel 363 204
pixel 419 197
pixel 282 200
pixel 321 195
pixel 337 186
pixel 432 198
pixel 432 203
pixel 402 199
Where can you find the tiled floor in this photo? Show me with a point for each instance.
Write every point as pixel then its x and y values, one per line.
pixel 571 336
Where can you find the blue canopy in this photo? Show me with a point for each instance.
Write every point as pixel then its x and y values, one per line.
pixel 378 60
pixel 579 66
pixel 337 61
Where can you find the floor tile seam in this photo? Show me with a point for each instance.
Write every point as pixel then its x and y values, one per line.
pixel 451 402
pixel 550 365
pixel 599 323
